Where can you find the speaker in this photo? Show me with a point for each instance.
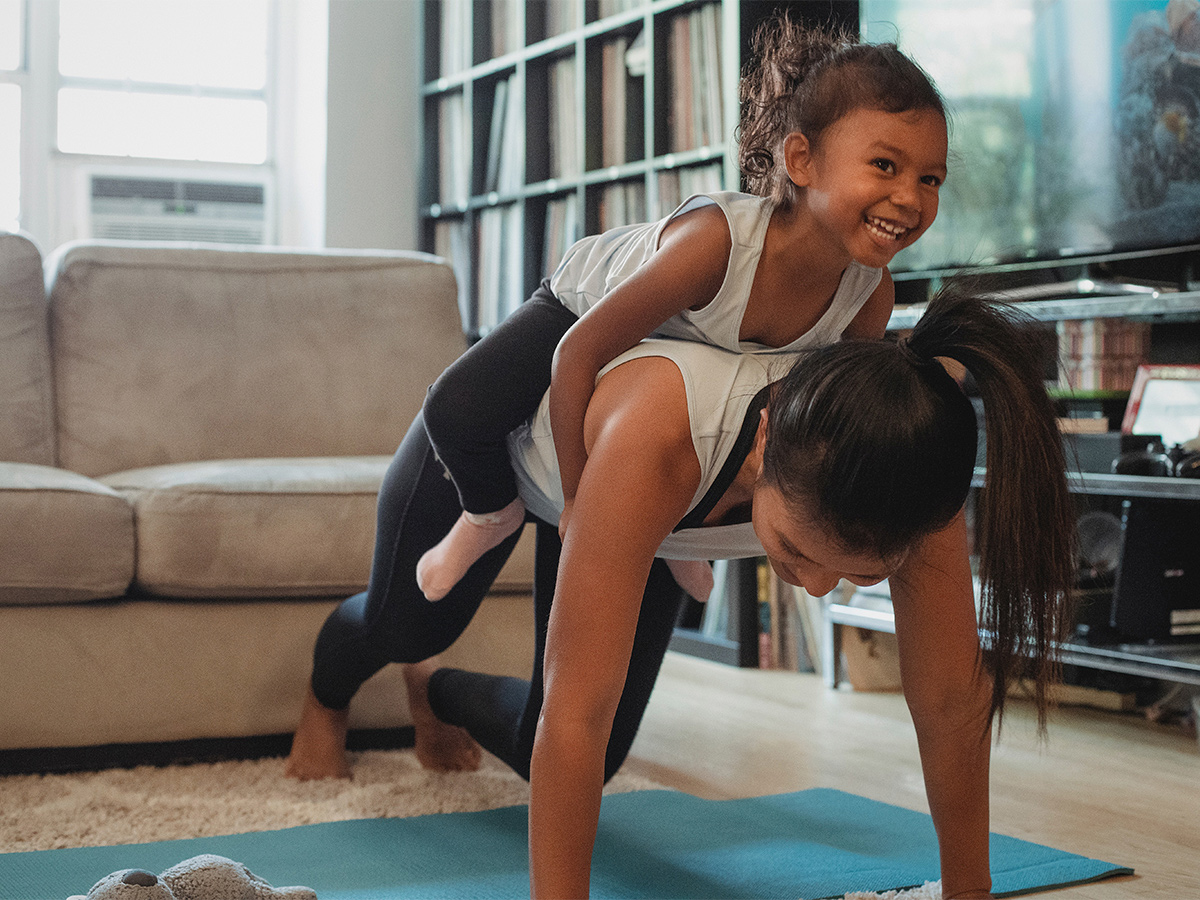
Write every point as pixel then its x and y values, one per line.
pixel 1157 591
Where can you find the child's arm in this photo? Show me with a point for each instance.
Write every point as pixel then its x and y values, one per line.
pixel 871 321
pixel 949 695
pixel 641 474
pixel 685 273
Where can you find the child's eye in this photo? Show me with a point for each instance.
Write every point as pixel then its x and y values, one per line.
pixel 932 181
pixel 884 165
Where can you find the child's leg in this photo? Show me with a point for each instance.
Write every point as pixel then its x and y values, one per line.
pixel 391 621
pixel 469 412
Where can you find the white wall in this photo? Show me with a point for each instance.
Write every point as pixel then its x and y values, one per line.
pixel 373 124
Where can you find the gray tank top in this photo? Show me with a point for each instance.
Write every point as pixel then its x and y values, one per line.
pixel 722 389
pixel 597 264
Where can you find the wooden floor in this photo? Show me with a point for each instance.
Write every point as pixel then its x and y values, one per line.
pixel 1106 785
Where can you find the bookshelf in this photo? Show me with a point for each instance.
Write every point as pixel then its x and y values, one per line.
pixel 547 120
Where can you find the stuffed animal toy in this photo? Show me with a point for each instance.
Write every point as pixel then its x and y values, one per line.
pixel 205 877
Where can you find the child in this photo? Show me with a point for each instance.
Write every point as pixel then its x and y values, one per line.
pixel 846 144
pixel 856 465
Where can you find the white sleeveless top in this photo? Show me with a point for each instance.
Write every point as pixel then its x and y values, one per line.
pixel 722 388
pixel 595 265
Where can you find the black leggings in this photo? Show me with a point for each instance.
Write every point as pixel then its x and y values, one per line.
pixel 393 622
pixel 490 390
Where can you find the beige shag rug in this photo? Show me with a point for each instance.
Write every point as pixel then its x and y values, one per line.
pixel 133 806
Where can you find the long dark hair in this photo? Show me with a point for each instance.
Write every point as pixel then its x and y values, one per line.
pixel 879 441
pixel 805 79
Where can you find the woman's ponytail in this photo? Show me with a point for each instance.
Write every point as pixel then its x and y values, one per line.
pixel 1025 523
pixel 878 442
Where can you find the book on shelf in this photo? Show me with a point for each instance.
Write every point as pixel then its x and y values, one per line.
pixel 506 26
pixel 450 242
pixel 562 118
pixel 622 104
pixel 613 93
pixel 622 203
pixel 453 170
pixel 695 117
pixel 454 48
pixel 512 154
pixel 562 230
pixel 561 15
pixel 676 185
pixel 1101 354
pixel 496 134
pixel 499 264
pixel 504 160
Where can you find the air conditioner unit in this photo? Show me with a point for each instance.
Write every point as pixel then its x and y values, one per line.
pixel 177 209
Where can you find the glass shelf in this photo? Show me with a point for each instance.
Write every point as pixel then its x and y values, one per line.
pixel 1173 305
pixel 1153 486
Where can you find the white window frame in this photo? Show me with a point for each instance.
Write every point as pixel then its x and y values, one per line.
pixel 54 183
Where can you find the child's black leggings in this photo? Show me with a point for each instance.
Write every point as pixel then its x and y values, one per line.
pixel 393 622
pixel 490 390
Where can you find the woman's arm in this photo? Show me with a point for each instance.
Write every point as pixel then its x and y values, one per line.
pixel 871 321
pixel 685 273
pixel 949 695
pixel 640 477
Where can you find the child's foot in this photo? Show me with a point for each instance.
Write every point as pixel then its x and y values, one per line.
pixel 693 575
pixel 473 535
pixel 440 747
pixel 319 746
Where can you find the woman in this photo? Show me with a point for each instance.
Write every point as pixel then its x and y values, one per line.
pixel 856 465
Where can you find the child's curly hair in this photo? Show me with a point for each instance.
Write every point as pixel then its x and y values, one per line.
pixel 805 79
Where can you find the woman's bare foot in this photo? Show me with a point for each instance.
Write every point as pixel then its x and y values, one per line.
pixel 440 747
pixel 319 745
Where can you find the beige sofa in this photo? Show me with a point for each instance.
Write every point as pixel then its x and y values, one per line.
pixel 191 442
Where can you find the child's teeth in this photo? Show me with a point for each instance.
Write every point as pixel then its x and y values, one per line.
pixel 888 229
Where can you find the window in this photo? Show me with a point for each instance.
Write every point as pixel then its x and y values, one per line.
pixel 183 80
pixel 12 33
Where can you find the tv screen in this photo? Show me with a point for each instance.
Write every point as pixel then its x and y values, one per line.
pixel 1075 125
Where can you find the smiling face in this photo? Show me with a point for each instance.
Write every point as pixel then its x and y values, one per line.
pixel 801 553
pixel 870 183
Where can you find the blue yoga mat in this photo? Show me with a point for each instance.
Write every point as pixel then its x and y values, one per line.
pixel 811 844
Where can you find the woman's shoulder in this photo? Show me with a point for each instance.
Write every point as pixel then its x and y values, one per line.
pixel 715 383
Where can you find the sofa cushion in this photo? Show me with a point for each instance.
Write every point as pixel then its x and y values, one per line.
pixel 254 527
pixel 63 538
pixel 26 410
pixel 167 354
